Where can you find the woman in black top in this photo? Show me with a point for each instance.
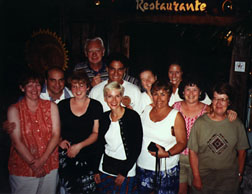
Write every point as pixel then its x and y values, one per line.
pixel 119 144
pixel 79 130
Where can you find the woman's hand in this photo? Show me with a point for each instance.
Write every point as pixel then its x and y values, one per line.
pixel 37 167
pixel 37 163
pixel 197 183
pixel 97 178
pixel 232 115
pixel 64 144
pixel 73 150
pixel 161 152
pixel 40 172
pixel 119 180
pixel 126 102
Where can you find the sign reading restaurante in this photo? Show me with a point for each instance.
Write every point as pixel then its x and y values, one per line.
pixel 171 5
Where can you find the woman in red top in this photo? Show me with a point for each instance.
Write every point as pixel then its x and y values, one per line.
pixel 33 161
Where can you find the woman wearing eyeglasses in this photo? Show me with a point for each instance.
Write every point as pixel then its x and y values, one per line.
pixel 217 147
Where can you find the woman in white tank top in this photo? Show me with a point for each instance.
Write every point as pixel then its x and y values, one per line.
pixel 166 128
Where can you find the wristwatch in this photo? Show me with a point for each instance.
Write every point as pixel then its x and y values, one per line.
pixel 169 153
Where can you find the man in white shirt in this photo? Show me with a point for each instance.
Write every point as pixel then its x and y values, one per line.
pixel 116 68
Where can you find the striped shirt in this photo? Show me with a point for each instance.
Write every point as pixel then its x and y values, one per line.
pixel 103 73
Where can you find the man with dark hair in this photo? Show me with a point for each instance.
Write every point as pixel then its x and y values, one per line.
pixel 54 88
pixel 116 68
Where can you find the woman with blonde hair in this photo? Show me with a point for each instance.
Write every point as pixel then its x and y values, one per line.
pixel 119 144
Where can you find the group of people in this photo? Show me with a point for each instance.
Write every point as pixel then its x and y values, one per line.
pixel 106 136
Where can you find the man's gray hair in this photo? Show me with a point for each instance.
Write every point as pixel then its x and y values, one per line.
pixel 92 40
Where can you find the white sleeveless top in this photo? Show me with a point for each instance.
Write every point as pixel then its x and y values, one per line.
pixel 158 132
pixel 114 147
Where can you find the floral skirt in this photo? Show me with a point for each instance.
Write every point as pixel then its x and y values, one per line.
pixel 168 181
pixel 75 175
pixel 108 185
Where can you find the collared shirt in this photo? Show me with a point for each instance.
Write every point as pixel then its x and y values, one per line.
pixel 103 73
pixel 65 94
pixel 90 72
pixel 130 90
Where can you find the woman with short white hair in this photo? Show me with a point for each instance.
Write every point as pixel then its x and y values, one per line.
pixel 119 144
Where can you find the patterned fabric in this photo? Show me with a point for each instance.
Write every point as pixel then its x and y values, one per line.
pixel 217 143
pixel 36 132
pixel 81 178
pixel 189 121
pixel 168 184
pixel 90 72
pixel 107 185
pixel 103 73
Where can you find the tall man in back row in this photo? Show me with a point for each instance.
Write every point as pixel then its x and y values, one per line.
pixel 117 65
pixel 95 67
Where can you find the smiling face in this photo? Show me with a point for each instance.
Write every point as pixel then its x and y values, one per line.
pixel 113 97
pixel 191 94
pixel 95 52
pixel 175 74
pixel 160 98
pixel 79 89
pixel 220 104
pixel 32 90
pixel 116 71
pixel 55 82
pixel 147 79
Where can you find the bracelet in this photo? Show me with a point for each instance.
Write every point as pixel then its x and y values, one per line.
pixel 169 153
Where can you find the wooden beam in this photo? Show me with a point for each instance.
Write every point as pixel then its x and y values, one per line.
pixel 187 19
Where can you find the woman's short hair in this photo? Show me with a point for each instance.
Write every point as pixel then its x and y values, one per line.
pixel 112 86
pixel 118 57
pixel 79 76
pixel 192 80
pixel 143 69
pixel 224 88
pixel 162 84
pixel 30 75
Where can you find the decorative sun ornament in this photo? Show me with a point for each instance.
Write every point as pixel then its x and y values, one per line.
pixel 45 49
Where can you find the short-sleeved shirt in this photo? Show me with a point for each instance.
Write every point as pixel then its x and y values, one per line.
pixel 103 73
pixel 76 129
pixel 216 143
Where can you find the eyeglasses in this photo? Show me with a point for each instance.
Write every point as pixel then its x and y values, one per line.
pixel 222 100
